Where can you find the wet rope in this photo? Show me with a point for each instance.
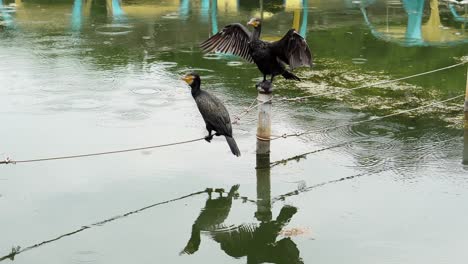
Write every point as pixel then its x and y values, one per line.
pixel 10 161
pixel 17 250
pixel 298 134
pixel 238 117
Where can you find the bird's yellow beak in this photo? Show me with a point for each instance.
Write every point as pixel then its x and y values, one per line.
pixel 253 22
pixel 188 79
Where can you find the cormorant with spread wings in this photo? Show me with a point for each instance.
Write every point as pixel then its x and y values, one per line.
pixel 270 57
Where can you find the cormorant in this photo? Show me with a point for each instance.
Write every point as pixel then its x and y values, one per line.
pixel 213 112
pixel 270 57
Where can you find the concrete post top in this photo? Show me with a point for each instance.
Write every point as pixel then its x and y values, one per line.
pixel 265 87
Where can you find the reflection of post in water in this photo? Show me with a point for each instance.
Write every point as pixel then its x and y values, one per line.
pixel 214 16
pixel 184 8
pixel 204 10
pixel 76 17
pixel 114 8
pixel 296 6
pixel 414 9
pixel 305 14
pixel 261 10
pixel 465 134
pixel 6 20
pixel 87 8
pixel 432 30
pixel 228 6
pixel 263 213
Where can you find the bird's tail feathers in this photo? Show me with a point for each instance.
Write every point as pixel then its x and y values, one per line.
pixel 233 145
pixel 290 76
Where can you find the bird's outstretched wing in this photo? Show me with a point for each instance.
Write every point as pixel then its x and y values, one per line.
pixel 293 50
pixel 233 39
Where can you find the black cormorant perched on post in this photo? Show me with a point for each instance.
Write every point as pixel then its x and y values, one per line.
pixel 270 57
pixel 213 112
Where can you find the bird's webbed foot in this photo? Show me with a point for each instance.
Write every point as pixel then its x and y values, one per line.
pixel 209 138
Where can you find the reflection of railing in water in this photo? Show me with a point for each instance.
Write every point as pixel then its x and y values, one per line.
pixel 214 16
pixel 6 19
pixel 456 16
pixel 416 33
pixel 184 9
pixel 79 10
pixel 301 27
pixel 76 17
pixel 114 8
pixel 205 10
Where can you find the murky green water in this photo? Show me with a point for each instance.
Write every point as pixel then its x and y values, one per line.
pixel 89 76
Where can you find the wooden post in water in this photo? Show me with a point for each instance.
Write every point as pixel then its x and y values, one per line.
pixel 264 97
pixel 465 134
pixel 264 117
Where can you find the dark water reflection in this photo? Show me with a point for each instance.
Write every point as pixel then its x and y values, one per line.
pixel 84 76
pixel 256 242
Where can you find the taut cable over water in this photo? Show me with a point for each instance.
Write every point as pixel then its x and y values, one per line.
pixel 11 161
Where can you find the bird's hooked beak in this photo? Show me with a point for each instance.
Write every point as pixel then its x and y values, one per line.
pixel 188 79
pixel 253 22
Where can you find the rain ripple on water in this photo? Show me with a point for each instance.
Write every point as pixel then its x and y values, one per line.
pixel 114 29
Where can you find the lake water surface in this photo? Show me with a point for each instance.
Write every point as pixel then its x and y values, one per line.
pixel 89 76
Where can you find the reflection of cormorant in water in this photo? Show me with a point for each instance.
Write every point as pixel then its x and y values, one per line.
pixel 256 242
pixel 210 218
pixel 259 243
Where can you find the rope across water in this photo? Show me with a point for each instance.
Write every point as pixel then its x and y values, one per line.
pixel 10 161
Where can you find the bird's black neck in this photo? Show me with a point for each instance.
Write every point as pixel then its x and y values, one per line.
pixel 256 33
pixel 195 88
